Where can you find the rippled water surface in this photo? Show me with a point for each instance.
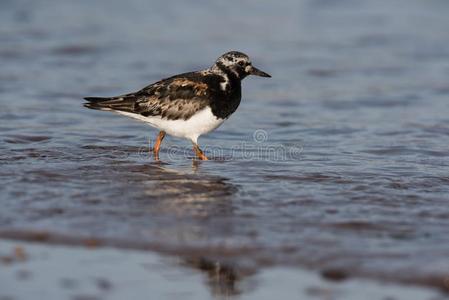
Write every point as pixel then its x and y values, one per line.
pixel 338 163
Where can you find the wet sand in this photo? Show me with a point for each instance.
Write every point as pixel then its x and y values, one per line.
pixel 38 271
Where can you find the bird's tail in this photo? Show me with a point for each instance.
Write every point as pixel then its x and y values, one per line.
pixel 123 103
pixel 96 103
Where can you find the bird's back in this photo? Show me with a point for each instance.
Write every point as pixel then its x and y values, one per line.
pixel 176 97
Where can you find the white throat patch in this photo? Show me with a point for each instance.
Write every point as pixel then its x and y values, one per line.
pixel 225 84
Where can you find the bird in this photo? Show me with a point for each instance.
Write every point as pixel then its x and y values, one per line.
pixel 186 105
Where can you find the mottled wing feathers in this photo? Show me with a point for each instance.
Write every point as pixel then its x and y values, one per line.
pixel 174 98
pixel 177 97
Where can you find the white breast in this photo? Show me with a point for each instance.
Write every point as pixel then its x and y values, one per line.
pixel 200 123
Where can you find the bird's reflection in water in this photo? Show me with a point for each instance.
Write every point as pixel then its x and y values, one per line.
pixel 194 193
pixel 221 278
pixel 189 192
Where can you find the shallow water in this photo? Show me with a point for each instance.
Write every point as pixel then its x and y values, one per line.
pixel 339 162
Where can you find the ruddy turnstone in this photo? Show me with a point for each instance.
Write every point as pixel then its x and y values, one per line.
pixel 186 105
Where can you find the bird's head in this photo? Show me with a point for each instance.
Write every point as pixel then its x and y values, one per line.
pixel 239 64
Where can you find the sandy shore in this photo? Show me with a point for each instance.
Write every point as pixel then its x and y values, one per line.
pixel 41 271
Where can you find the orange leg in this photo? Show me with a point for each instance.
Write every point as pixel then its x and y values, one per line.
pixel 157 144
pixel 199 153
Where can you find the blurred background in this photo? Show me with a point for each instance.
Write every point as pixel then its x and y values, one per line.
pixel 356 113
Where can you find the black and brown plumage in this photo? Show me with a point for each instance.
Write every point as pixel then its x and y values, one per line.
pixel 186 105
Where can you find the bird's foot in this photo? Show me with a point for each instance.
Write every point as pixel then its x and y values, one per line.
pixel 199 154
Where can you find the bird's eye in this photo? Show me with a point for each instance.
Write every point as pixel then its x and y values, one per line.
pixel 241 63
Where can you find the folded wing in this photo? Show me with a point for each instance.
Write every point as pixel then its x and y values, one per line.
pixel 178 97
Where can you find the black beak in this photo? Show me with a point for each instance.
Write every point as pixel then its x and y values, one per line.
pixel 257 72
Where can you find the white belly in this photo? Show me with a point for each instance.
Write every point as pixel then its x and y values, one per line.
pixel 200 123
